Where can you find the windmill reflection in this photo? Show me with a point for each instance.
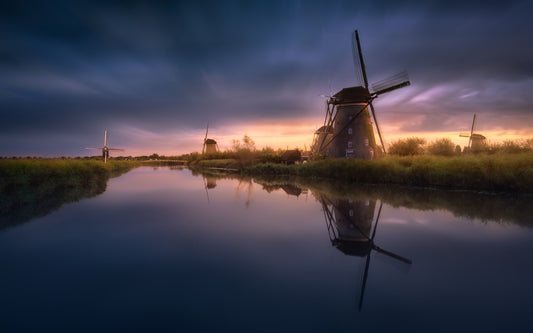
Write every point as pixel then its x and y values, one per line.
pixel 209 181
pixel 349 224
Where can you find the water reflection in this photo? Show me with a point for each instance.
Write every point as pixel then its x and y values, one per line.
pixel 349 223
pixel 488 207
pixel 150 255
pixel 26 202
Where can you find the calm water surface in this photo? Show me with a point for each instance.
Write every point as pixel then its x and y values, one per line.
pixel 165 250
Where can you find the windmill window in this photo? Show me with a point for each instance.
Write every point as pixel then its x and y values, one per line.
pixel 351 212
pixel 350 131
pixel 350 144
pixel 366 142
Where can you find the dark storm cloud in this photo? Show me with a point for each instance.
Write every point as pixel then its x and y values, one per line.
pixel 80 66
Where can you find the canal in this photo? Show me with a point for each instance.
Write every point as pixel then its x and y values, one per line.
pixel 165 249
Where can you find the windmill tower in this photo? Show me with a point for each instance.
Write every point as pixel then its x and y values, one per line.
pixel 210 145
pixel 105 148
pixel 476 142
pixel 349 224
pixel 347 131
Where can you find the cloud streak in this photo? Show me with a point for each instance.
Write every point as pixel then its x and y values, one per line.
pixel 77 68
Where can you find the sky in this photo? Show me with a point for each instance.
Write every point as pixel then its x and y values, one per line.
pixel 155 73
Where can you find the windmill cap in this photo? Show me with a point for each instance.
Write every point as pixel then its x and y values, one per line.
pixel 210 141
pixel 352 95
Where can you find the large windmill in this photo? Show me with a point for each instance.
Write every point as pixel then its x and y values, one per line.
pixel 347 130
pixel 210 145
pixel 349 224
pixel 476 142
pixel 105 148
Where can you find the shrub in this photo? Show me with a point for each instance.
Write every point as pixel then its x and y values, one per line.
pixel 409 146
pixel 512 147
pixel 442 147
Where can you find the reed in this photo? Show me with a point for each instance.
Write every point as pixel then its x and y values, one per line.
pixel 496 172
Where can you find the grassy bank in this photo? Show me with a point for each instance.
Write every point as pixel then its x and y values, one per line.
pixel 35 187
pixel 498 172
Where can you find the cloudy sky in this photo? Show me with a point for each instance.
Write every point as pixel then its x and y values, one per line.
pixel 155 73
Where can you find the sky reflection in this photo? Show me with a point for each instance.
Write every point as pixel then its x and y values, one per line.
pixel 154 253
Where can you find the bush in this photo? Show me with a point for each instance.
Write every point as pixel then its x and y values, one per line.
pixel 512 147
pixel 442 147
pixel 409 146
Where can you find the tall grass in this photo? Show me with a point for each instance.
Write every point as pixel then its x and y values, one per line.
pixel 497 172
pixel 58 171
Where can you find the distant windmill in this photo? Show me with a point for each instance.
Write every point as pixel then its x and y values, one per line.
pixel 105 148
pixel 476 142
pixel 210 145
pixel 349 224
pixel 347 130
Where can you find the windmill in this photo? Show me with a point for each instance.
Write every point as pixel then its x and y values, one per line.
pixel 105 148
pixel 347 130
pixel 210 145
pixel 476 142
pixel 349 224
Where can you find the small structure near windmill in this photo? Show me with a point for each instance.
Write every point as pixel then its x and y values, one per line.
pixel 105 148
pixel 291 156
pixel 347 131
pixel 210 145
pixel 323 134
pixel 476 141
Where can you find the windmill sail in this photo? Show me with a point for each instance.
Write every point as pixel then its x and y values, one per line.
pixel 394 82
pixel 358 62
pixel 105 149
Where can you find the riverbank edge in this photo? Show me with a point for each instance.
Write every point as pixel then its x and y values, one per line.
pixel 35 187
pixel 489 173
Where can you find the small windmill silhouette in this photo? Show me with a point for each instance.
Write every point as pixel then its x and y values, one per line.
pixel 210 145
pixel 476 141
pixel 105 148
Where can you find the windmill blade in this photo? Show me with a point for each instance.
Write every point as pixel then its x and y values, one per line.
pixel 105 139
pixel 358 59
pixel 473 124
pixel 377 127
pixel 363 285
pixel 389 84
pixel 330 93
pixel 206 131
pixel 377 220
pixel 116 149
pixel 472 131
pixel 205 187
pixel 94 147
pixel 464 135
pixel 393 255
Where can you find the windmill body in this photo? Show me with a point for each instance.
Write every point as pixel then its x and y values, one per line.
pixel 477 142
pixel 353 135
pixel 348 131
pixel 210 145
